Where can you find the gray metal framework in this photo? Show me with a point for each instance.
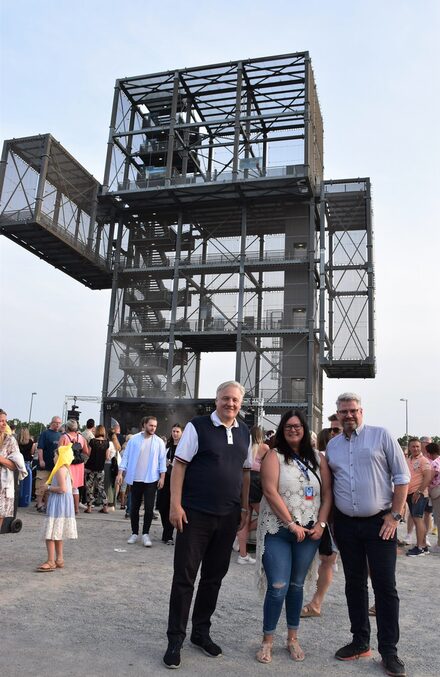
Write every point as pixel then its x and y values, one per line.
pixel 217 233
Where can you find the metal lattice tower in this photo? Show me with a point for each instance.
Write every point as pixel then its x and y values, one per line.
pixel 217 233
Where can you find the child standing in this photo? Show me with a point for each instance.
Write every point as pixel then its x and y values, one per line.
pixel 60 520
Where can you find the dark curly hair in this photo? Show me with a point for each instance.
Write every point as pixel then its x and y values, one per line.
pixel 305 451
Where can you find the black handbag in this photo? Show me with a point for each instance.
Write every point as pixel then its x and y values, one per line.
pixel 327 545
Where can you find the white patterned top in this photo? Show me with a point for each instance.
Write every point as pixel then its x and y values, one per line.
pixel 291 485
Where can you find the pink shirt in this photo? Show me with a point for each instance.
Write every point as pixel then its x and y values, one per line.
pixel 417 466
pixel 435 467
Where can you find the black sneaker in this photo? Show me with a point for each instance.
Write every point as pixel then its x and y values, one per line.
pixel 172 656
pixel 426 550
pixel 393 666
pixel 415 552
pixel 352 651
pixel 206 645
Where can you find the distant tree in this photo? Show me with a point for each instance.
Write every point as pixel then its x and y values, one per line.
pixel 35 427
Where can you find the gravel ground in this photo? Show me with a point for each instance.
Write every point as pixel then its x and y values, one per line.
pixel 105 613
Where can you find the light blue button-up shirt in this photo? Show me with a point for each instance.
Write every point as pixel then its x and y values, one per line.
pixel 365 466
pixel 156 463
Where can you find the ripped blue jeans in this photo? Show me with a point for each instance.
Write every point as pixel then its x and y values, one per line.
pixel 286 563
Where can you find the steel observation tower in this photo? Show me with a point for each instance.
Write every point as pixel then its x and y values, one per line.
pixel 217 233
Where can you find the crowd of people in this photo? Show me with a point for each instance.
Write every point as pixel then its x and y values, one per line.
pixel 308 499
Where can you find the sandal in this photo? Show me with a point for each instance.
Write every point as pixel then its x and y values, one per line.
pixel 308 612
pixel 88 510
pixel 104 510
pixel 264 654
pixel 295 651
pixel 59 563
pixel 46 566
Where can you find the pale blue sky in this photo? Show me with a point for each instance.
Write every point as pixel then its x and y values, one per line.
pixel 376 68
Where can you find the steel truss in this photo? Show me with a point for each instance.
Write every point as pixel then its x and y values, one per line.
pixel 216 232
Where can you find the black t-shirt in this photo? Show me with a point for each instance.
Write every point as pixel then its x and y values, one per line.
pixel 96 460
pixel 26 450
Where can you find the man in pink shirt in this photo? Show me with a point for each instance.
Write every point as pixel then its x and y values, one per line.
pixel 417 499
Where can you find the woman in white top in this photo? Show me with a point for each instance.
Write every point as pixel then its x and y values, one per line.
pixel 293 514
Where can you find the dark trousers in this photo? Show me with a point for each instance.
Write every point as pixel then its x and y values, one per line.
pixel 163 505
pixel 206 540
pixel 362 552
pixel 139 491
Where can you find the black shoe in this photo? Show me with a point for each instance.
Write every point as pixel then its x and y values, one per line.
pixel 352 651
pixel 393 665
pixel 172 656
pixel 206 645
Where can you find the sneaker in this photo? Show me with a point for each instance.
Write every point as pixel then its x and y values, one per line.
pixel 170 542
pixel 133 538
pixel 426 550
pixel 415 552
pixel 206 645
pixel 155 515
pixel 428 542
pixel 352 651
pixel 146 540
pixel 245 560
pixel 235 545
pixel 393 666
pixel 82 506
pixel 172 656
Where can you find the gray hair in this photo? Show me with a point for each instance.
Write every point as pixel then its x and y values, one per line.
pixel 346 397
pixel 426 439
pixel 227 384
pixel 72 425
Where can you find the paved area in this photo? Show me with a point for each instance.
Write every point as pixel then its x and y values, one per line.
pixel 106 612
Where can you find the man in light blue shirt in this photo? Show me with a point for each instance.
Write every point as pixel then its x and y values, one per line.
pixel 144 466
pixel 370 483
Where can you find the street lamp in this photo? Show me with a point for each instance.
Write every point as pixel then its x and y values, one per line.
pixel 403 399
pixel 30 408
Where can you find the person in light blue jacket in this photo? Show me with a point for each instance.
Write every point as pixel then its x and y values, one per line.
pixel 144 466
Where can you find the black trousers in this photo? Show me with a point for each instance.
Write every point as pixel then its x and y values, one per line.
pixel 139 491
pixel 206 540
pixel 362 552
pixel 163 505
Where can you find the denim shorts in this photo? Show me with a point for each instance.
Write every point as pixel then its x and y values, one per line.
pixel 417 509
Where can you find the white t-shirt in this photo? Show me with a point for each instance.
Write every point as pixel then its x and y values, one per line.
pixel 142 463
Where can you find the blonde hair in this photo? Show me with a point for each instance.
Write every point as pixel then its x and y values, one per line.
pixel 23 436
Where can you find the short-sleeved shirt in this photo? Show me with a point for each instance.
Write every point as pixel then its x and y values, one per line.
pixel 435 467
pixel 417 467
pixel 48 442
pixel 215 456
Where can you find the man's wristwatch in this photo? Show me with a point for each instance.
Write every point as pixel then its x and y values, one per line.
pixel 396 516
pixel 322 525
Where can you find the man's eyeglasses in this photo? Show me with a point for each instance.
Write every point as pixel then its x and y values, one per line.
pixel 294 426
pixel 344 412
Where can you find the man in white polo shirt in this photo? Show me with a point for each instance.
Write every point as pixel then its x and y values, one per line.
pixel 209 499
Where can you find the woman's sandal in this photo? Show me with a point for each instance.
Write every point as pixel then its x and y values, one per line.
pixel 264 654
pixel 295 651
pixel 104 510
pixel 59 563
pixel 45 567
pixel 308 612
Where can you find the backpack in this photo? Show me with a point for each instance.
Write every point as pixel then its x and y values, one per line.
pixel 77 450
